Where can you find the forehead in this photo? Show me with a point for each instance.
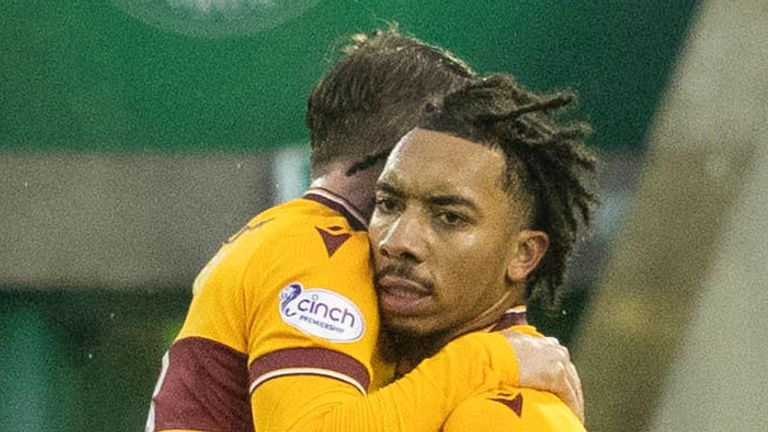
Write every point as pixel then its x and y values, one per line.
pixel 429 162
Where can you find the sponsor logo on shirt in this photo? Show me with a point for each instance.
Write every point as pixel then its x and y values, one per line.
pixel 322 313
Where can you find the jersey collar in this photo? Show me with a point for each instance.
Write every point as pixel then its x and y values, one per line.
pixel 331 200
pixel 514 316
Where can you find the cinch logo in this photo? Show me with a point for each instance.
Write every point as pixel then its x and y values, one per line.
pixel 322 313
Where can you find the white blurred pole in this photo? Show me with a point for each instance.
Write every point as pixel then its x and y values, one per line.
pixel 674 339
pixel 290 172
pixel 718 380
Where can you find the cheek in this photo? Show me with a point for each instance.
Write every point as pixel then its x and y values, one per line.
pixel 376 230
pixel 470 262
pixel 476 260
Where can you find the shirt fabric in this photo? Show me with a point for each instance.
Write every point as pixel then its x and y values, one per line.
pixel 281 335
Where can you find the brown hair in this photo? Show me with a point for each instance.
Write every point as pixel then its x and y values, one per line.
pixel 375 94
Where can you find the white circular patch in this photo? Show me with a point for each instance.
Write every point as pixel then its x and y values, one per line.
pixel 215 18
pixel 322 313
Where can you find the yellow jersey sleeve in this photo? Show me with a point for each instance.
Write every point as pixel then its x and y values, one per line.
pixel 418 402
pixel 515 410
pixel 290 294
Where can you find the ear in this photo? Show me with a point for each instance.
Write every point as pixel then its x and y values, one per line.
pixel 530 247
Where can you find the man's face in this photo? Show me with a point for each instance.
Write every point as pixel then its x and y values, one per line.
pixel 441 234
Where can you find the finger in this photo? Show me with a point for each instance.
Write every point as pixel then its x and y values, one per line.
pixel 574 382
pixel 571 398
pixel 570 390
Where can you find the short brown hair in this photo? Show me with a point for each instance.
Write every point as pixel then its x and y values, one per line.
pixel 375 94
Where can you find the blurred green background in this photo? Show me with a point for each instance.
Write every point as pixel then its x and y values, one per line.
pixel 84 75
pixel 82 79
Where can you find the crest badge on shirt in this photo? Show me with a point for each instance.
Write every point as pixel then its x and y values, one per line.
pixel 322 313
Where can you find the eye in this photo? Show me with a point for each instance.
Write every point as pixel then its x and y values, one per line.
pixel 386 204
pixel 452 219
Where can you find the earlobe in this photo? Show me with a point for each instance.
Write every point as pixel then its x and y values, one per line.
pixel 531 246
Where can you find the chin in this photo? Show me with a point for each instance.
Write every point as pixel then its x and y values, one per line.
pixel 405 331
pixel 411 327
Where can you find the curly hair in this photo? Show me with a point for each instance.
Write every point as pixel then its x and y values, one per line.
pixel 375 94
pixel 547 164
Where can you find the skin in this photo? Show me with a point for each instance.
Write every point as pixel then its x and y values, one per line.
pixel 450 248
pixel 357 189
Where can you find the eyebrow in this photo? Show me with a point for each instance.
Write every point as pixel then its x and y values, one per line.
pixel 385 187
pixel 452 200
pixel 436 200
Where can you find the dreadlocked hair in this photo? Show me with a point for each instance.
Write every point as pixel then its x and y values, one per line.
pixel 547 165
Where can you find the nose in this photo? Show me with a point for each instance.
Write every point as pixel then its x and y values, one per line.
pixel 403 239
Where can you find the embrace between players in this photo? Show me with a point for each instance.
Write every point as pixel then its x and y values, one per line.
pixel 441 203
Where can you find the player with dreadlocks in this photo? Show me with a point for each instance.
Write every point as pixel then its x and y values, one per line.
pixel 477 211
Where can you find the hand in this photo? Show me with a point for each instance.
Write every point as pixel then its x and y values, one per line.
pixel 546 365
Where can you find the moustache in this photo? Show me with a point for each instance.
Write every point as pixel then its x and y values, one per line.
pixel 401 271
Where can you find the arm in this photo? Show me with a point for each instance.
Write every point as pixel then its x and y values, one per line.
pixel 420 401
pixel 239 319
pixel 424 398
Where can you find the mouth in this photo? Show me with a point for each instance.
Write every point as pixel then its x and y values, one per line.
pixel 402 296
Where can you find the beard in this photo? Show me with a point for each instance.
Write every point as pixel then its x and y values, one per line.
pixel 407 348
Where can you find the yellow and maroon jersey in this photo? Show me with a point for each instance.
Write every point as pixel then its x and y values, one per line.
pixel 288 294
pixel 283 324
pixel 513 409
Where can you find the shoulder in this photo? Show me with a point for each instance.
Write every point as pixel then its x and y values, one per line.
pixel 298 228
pixel 518 409
pixel 299 234
pixel 305 268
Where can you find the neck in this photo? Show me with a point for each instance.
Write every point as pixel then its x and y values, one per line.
pixel 357 189
pixel 406 350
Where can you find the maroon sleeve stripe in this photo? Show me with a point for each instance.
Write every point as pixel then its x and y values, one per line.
pixel 205 387
pixel 309 361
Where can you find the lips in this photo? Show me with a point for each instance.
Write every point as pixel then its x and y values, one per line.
pixel 400 295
